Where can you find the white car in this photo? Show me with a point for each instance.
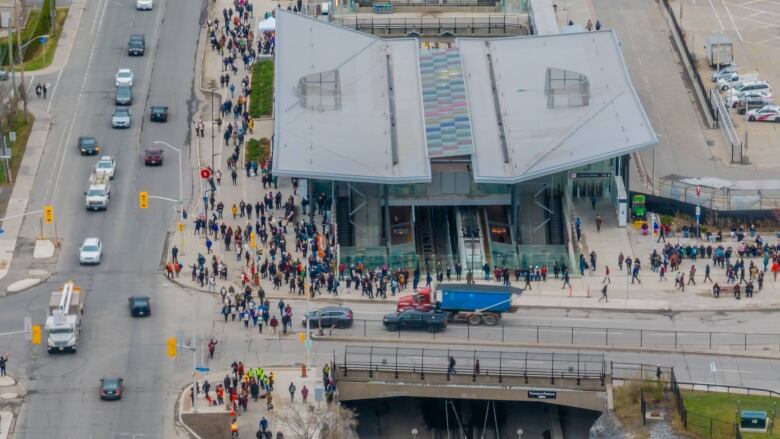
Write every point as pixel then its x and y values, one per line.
pixel 732 99
pixel 144 5
pixel 725 71
pixel 91 251
pixel 769 113
pixel 124 76
pixel 106 165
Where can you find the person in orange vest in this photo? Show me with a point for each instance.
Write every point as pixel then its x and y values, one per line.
pixel 234 428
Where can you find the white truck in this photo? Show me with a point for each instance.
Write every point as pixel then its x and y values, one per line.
pixel 99 193
pixel 63 322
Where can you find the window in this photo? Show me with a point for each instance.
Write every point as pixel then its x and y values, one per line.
pixel 320 91
pixel 565 88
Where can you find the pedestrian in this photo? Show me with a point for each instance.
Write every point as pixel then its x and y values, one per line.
pixel 599 220
pixel 212 347
pixel 175 254
pixel 263 424
pixel 606 275
pixel 604 294
pixel 274 323
pixel 3 361
pixel 234 176
pixel 292 389
pixel 45 89
pixel 451 366
pixel 593 201
pixel 707 274
pixel 234 428
pixel 304 393
pixel 476 366
pixel 38 90
pixel 598 25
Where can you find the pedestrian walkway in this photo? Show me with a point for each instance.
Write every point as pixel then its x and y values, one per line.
pixel 279 408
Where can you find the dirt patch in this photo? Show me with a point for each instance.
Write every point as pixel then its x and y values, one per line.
pixel 209 425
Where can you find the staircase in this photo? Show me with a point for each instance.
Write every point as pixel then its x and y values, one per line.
pixel 345 228
pixel 441 235
pixel 423 234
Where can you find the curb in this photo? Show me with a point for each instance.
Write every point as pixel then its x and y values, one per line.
pixel 578 347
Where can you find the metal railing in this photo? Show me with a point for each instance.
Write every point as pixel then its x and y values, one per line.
pixel 719 199
pixel 498 24
pixel 572 335
pixel 722 116
pixel 429 3
pixel 502 364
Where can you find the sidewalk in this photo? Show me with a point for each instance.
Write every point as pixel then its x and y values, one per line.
pixel 288 417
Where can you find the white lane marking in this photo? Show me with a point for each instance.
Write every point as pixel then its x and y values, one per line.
pixel 49 192
pixel 714 11
pixel 731 17
pixel 97 16
pixel 53 91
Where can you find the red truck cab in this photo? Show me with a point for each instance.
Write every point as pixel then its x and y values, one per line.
pixel 420 301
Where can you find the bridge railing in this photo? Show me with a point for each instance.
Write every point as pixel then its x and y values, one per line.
pixel 574 336
pixel 476 363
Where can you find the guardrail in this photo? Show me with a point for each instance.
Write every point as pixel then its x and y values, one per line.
pixel 501 364
pixel 722 116
pixel 574 335
pixel 429 3
pixel 498 24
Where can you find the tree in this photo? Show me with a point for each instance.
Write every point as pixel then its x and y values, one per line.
pixel 328 421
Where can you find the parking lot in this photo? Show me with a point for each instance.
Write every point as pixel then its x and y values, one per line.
pixel 754 29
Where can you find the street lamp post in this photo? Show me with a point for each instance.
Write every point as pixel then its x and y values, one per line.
pixel 181 185
pixel 213 86
pixel 414 433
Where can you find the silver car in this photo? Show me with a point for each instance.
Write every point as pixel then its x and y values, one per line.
pixel 121 118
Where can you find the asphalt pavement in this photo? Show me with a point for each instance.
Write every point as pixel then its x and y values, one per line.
pixel 62 399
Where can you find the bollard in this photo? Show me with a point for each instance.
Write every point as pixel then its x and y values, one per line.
pixel 303 371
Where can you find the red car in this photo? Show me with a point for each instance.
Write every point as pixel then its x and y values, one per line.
pixel 153 156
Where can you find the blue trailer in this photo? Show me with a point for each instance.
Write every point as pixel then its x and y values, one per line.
pixel 475 304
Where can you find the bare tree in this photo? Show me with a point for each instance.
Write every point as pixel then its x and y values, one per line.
pixel 328 421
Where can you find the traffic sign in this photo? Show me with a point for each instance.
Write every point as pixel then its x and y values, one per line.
pixel 202 369
pixel 205 173
pixel 2 231
pixel 12 136
pixel 308 343
pixel 48 214
pixel 43 38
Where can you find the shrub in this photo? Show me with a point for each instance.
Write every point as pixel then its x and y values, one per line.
pixel 38 23
pixel 258 150
pixel 261 99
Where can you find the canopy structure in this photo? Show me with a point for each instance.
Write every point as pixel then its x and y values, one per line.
pixel 267 25
pixel 355 107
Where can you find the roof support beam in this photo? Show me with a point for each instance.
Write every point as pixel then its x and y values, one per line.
pixel 391 106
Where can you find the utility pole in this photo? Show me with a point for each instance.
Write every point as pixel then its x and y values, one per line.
pixel 21 61
pixel 213 86
pixel 13 70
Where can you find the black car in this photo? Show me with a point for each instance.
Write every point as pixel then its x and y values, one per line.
pixel 328 317
pixel 124 95
pixel 139 306
pixel 159 113
pixel 88 145
pixel 136 45
pixel 111 387
pixel 431 321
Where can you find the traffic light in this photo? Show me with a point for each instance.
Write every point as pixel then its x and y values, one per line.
pixel 171 347
pixel 48 214
pixel 143 200
pixel 36 334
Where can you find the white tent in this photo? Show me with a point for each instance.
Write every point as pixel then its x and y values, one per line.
pixel 267 25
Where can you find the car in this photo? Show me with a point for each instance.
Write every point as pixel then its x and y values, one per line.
pixel 732 79
pixel 751 102
pixel 124 76
pixel 120 118
pixel 338 316
pixel 106 165
pixel 723 72
pixel 158 113
pixel 91 251
pixel 431 321
pixel 144 5
pixel 111 387
pixel 749 87
pixel 139 306
pixel 88 145
pixel 153 156
pixel 733 99
pixel 124 95
pixel 769 113
pixel 136 45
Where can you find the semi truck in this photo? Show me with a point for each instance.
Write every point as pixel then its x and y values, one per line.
pixel 472 303
pixel 63 322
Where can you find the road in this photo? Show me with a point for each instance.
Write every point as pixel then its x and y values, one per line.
pixel 62 400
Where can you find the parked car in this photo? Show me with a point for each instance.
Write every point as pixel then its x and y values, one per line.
pixel 121 118
pixel 91 251
pixel 732 79
pixel 124 95
pixel 111 387
pixel 88 145
pixel 752 102
pixel 124 76
pixel 431 321
pixel 748 87
pixel 158 113
pixel 733 99
pixel 723 72
pixel 136 45
pixel 153 156
pixel 769 113
pixel 139 306
pixel 338 316
pixel 144 5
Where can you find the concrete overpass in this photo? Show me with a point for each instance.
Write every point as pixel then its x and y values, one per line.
pixel 572 380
